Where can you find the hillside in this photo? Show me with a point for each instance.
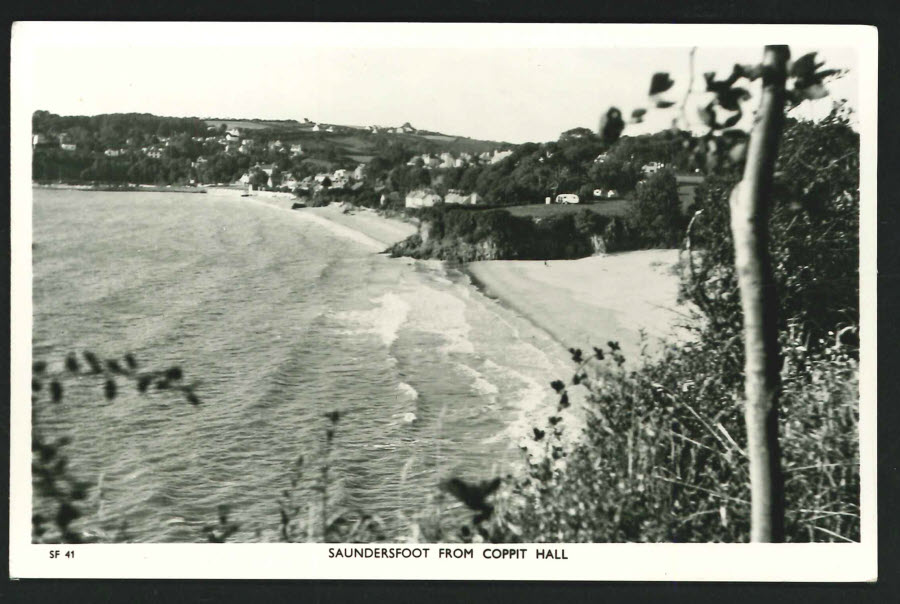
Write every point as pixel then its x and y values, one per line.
pixel 361 143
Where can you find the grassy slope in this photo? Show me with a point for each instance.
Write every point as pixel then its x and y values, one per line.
pixel 360 144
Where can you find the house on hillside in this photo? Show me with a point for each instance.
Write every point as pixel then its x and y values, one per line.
pixel 235 133
pixel 456 197
pixel 652 168
pixel 499 156
pixel 114 152
pixel 316 128
pixel 68 146
pixel 296 149
pixel 39 140
pixel 422 198
pixel 359 173
pixel 687 189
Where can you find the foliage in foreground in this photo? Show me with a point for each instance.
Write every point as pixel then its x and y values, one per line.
pixel 662 458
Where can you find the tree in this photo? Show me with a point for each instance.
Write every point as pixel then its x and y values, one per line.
pixel 656 213
pixel 259 178
pixel 751 206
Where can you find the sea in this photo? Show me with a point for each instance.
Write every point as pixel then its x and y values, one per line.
pixel 278 321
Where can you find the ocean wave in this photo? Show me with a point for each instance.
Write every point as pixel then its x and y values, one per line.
pixel 480 385
pixel 385 320
pixel 407 391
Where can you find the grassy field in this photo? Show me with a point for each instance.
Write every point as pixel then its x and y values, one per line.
pixel 610 207
pixel 248 125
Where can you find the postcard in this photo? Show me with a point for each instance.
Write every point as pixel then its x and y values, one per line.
pixel 443 301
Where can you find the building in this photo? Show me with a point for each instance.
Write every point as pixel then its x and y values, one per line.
pixel 114 152
pixel 652 168
pixel 296 149
pixel 359 173
pixel 461 199
pixel 40 140
pixel 422 198
pixel 687 184
pixel 68 146
pixel 499 156
pixel 567 198
pixel 234 133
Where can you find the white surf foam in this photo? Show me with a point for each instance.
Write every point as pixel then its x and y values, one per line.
pixel 385 320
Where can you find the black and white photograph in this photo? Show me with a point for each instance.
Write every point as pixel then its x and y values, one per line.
pixel 443 300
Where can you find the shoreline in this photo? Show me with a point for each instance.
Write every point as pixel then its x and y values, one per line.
pixel 120 188
pixel 590 301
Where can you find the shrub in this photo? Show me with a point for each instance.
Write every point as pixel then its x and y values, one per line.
pixel 662 456
pixel 656 214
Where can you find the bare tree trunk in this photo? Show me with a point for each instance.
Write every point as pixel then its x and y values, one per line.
pixel 751 204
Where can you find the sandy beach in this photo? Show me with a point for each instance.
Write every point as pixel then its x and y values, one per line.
pixel 386 231
pixel 580 303
pixel 587 302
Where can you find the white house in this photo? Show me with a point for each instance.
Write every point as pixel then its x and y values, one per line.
pixel 296 149
pixel 458 198
pixel 68 146
pixel 359 172
pixel 234 132
pixel 500 156
pixel 422 199
pixel 316 128
pixel 653 167
pixel 113 152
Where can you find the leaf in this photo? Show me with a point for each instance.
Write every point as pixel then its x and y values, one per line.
pixel 109 389
pixel 93 361
pixel 173 373
pixel 661 103
pixel 538 433
pixel 555 420
pixel 805 66
pixel 72 363
pixel 56 391
pixel 333 416
pixel 192 398
pixel 730 99
pixel 144 382
pixel 39 367
pixel 598 353
pixel 558 385
pixel 114 367
pixel 637 116
pixel 564 400
pixel 660 82
pixel 130 361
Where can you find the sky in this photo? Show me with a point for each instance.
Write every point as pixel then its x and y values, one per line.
pixel 491 81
